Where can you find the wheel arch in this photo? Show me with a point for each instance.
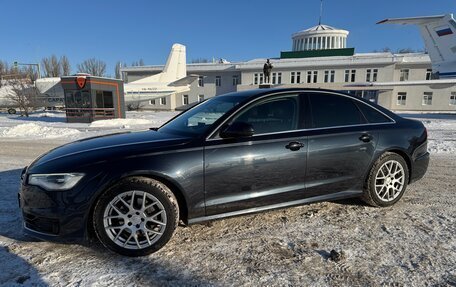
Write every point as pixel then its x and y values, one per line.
pixel 402 153
pixel 406 157
pixel 172 185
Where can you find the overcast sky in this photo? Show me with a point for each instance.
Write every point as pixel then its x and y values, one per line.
pixel 235 30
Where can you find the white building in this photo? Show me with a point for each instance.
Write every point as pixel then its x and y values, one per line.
pixel 319 59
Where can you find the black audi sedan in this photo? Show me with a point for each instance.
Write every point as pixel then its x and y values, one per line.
pixel 233 154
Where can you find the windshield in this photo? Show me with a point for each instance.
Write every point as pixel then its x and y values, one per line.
pixel 199 119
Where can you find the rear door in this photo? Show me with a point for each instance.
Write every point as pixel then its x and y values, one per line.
pixel 264 169
pixel 341 144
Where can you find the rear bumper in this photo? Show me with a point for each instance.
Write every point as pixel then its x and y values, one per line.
pixel 419 167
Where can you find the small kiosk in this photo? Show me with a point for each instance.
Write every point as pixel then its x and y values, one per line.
pixel 89 98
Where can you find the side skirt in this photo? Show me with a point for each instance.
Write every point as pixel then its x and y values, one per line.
pixel 327 197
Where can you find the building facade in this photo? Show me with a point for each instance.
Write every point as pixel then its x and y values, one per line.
pixel 319 59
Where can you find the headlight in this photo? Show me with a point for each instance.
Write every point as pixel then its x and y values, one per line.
pixel 55 181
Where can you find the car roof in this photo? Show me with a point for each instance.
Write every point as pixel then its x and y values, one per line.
pixel 256 93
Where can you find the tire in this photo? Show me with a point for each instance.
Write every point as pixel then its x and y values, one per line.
pixel 12 111
pixel 387 180
pixel 140 228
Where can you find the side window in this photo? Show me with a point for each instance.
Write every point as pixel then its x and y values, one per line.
pixel 333 110
pixel 276 115
pixel 372 115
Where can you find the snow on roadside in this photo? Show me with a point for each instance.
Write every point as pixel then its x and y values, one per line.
pixel 123 123
pixel 33 130
pixel 441 129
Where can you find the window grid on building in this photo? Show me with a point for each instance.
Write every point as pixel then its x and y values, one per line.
pixel 218 81
pixel 277 78
pixel 312 76
pixel 200 81
pixel 185 100
pixel 258 78
pixel 152 102
pixel 401 99
pixel 453 99
pixel 329 76
pixel 371 75
pixel 163 101
pixel 428 74
pixel 295 77
pixel 404 75
pixel 200 98
pixel 427 99
pixel 235 80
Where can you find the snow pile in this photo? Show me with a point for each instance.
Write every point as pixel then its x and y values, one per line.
pixel 47 115
pixel 33 130
pixel 121 123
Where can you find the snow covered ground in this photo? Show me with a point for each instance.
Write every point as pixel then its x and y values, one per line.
pixel 410 244
pixel 52 125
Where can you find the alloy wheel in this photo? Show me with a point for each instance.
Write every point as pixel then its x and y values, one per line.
pixel 134 219
pixel 389 180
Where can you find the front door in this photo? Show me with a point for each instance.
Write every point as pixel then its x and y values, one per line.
pixel 266 168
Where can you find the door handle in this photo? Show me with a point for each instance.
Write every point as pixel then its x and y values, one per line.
pixel 365 138
pixel 294 146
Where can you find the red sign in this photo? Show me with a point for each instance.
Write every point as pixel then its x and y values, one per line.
pixel 81 81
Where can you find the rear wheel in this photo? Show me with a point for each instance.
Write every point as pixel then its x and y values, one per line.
pixel 387 180
pixel 11 111
pixel 136 217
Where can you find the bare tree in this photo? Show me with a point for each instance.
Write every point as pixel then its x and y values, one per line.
pixel 23 94
pixel 51 66
pixel 65 66
pixel 3 71
pixel 30 73
pixel 201 60
pixel 135 106
pixel 405 51
pixel 117 70
pixel 137 63
pixel 93 67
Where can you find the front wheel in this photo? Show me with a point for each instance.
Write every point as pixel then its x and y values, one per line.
pixel 136 217
pixel 387 180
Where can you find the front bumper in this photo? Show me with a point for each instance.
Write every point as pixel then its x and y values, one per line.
pixel 419 167
pixel 51 216
pixel 60 216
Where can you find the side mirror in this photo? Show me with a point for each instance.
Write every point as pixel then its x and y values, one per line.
pixel 237 130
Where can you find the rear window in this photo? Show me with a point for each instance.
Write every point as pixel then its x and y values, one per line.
pixel 372 115
pixel 333 110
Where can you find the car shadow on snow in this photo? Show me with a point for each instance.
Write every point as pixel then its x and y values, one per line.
pixel 152 270
pixel 10 216
pixel 14 269
pixel 356 201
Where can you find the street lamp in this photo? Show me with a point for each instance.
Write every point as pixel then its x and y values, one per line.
pixel 15 63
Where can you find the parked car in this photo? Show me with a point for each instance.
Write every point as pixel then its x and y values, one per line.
pixel 233 154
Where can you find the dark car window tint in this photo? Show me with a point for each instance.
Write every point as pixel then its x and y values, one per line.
pixel 272 116
pixel 372 115
pixel 332 110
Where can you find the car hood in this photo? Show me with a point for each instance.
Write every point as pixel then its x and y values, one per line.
pixel 106 148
